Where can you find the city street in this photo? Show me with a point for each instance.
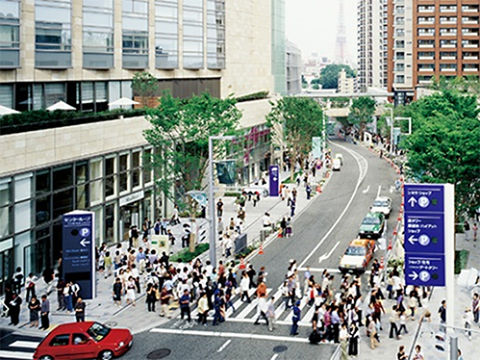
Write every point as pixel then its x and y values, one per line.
pixel 324 228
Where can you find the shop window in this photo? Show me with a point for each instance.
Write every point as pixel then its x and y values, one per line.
pixel 123 182
pixel 124 162
pixel 98 224
pixel 43 209
pixel 109 166
pixel 23 216
pixel 23 187
pixel 81 174
pixel 109 222
pixel 110 186
pixel 62 177
pixel 81 197
pixel 96 191
pixel 96 169
pixel 5 221
pixel 147 168
pixel 136 178
pixel 42 182
pixel 62 203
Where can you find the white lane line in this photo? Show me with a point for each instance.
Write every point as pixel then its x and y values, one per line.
pixel 346 207
pixel 307 318
pixel 25 344
pixel 330 271
pixel 379 190
pixel 392 189
pixel 229 335
pixel 366 190
pixel 15 355
pixel 274 357
pixel 326 256
pixel 224 346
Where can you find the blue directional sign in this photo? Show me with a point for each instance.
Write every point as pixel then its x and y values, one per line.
pixel 78 260
pixel 274 180
pixel 424 270
pixel 424 240
pixel 424 233
pixel 424 198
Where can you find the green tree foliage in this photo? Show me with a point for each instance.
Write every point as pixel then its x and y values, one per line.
pixel 300 119
pixel 361 112
pixel 315 81
pixel 444 146
pixel 180 132
pixel 316 87
pixel 329 75
pixel 466 85
pixel 144 85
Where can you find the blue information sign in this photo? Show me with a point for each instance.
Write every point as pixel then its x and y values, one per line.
pixel 424 240
pixel 274 180
pixel 78 260
pixel 424 233
pixel 424 270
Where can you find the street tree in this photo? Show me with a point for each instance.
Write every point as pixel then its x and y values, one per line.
pixel 145 86
pixel 329 75
pixel 362 111
pixel 179 133
pixel 299 119
pixel 443 147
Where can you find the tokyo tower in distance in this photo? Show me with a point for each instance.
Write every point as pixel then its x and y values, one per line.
pixel 341 53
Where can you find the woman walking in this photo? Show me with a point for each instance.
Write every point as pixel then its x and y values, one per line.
pixel 117 292
pixel 34 307
pixel 130 285
pixel 353 344
pixel 151 297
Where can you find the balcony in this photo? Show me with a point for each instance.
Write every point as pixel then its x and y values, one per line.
pixel 448 9
pixel 428 57
pixel 470 69
pixel 470 45
pixel 445 69
pixel 470 57
pixel 448 57
pixel 469 32
pixel 422 9
pixel 448 46
pixel 426 46
pixel 426 69
pixel 448 22
pixel 470 9
pixel 470 21
pixel 426 22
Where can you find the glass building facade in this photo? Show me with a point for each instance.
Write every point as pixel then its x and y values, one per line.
pixel 278 46
pixel 216 34
pixel 193 47
pixel 9 34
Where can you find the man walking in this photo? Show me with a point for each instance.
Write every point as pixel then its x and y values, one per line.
pixel 295 319
pixel 80 310
pixel 44 312
pixel 219 208
pixel 185 305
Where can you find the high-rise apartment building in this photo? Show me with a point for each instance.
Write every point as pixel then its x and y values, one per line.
pixel 371 44
pixel 429 39
pixel 86 52
pixel 294 66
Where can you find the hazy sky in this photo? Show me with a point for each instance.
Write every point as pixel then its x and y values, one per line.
pixel 312 26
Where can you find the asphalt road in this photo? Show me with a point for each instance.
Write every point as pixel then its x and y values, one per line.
pixel 324 228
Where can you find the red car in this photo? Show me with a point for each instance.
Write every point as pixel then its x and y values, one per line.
pixel 84 340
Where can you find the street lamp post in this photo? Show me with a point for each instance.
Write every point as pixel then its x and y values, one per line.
pixel 211 200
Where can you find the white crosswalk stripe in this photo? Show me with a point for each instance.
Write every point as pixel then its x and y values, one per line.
pixel 19 349
pixel 245 312
pixel 25 344
pixel 4 354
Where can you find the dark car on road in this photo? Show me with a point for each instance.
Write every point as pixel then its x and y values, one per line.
pixel 372 225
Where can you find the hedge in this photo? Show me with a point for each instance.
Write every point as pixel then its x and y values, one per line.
pixel 254 96
pixel 43 119
pixel 184 256
pixel 461 257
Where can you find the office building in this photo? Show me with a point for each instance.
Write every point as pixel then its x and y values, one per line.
pixel 294 66
pixel 345 84
pixel 85 52
pixel 371 50
pixel 430 39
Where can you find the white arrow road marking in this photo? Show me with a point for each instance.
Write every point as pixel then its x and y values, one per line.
pixel 326 256
pixel 366 190
pixel 413 275
pixel 363 167
pixel 412 240
pixel 392 189
pixel 379 190
pixel 224 346
pixel 412 201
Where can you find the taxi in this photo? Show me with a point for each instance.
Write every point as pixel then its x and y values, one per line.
pixel 357 256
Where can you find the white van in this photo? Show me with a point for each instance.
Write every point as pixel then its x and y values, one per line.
pixel 337 164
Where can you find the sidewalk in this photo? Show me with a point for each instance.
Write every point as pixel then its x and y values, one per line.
pixel 136 318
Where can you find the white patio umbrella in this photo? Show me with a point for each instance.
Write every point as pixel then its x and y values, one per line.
pixel 60 106
pixel 123 102
pixel 7 111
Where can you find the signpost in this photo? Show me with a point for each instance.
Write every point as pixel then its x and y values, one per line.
pixel 78 261
pixel 274 180
pixel 430 239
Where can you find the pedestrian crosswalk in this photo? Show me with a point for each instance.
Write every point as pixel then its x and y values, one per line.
pixel 17 346
pixel 246 312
